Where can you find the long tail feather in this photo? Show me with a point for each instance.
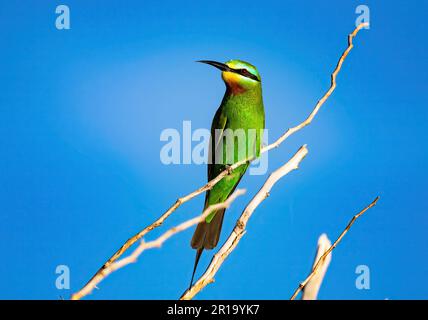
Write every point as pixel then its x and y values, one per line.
pixel 198 255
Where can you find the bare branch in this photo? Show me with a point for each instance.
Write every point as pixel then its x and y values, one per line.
pixel 241 224
pixel 310 291
pixel 327 252
pixel 132 258
pixel 226 172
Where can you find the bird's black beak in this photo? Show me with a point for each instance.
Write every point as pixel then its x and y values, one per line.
pixel 225 67
pixel 218 65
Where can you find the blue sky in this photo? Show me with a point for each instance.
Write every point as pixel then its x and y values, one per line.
pixel 83 109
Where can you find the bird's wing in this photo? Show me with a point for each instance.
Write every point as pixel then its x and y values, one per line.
pixel 219 124
pixel 204 229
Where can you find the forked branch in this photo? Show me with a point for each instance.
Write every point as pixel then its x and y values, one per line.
pixel 132 258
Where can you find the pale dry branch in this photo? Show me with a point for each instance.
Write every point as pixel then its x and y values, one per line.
pixel 327 252
pixel 320 102
pixel 310 292
pixel 213 182
pixel 239 229
pixel 132 258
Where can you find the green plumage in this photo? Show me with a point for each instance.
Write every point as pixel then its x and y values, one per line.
pixel 242 113
pixel 237 112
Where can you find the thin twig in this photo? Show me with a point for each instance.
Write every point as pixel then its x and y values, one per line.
pixel 132 258
pixel 320 260
pixel 320 102
pixel 241 224
pixel 226 172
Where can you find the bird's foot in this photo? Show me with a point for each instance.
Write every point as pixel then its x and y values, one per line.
pixel 229 169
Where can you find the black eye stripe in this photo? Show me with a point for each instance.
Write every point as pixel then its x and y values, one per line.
pixel 246 73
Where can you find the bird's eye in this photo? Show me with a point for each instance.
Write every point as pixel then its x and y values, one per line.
pixel 248 74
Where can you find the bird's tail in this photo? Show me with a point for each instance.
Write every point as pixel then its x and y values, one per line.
pixel 206 236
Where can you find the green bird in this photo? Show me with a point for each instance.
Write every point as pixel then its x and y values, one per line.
pixel 240 115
